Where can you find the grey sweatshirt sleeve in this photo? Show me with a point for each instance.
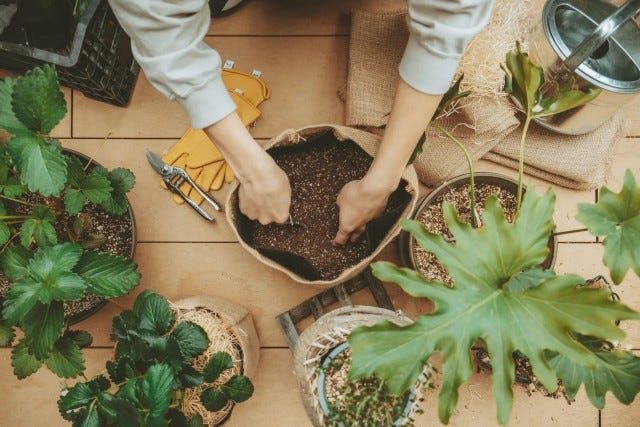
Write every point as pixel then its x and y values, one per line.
pixel 167 41
pixel 439 32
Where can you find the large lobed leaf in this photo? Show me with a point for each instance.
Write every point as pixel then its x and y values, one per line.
pixel 531 319
pixel 616 216
pixel 8 120
pixel 122 181
pixel 39 228
pixel 40 162
pixel 37 100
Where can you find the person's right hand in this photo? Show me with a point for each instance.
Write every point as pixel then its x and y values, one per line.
pixel 264 193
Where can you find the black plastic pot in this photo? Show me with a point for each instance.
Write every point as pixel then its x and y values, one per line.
pixel 407 243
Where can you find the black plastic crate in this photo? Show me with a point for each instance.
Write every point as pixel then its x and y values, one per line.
pixel 99 62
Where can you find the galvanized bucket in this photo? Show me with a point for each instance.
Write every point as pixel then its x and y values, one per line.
pixel 588 44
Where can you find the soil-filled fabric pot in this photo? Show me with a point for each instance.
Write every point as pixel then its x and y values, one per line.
pixel 231 329
pixel 408 245
pixel 324 335
pixel 380 231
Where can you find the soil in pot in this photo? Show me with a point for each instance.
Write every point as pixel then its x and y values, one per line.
pixel 317 171
pixel 363 402
pixel 432 217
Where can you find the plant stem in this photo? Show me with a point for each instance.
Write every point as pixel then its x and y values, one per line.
pixel 577 230
pixel 472 181
pixel 9 242
pixel 527 121
pixel 22 202
pixel 5 217
pixel 117 304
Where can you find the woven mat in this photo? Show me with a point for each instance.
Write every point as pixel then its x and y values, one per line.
pixel 486 122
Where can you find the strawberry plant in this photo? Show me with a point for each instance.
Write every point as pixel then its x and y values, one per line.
pixel 153 366
pixel 47 254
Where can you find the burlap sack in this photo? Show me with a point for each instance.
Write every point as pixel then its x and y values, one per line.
pixel 369 143
pixel 234 328
pixel 485 118
pixel 326 333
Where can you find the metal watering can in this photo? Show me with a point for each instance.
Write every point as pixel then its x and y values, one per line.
pixel 588 44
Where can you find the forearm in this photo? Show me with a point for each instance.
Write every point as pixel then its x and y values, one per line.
pixel 410 115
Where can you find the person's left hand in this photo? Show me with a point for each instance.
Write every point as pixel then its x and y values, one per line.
pixel 358 205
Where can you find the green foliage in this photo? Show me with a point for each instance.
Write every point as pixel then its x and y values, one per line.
pixel 495 298
pixel 153 366
pixel 617 217
pixel 40 283
pixel 39 228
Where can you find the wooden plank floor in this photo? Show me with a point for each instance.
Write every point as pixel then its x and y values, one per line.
pixel 301 47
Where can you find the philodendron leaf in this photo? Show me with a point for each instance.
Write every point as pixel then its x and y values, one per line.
pixel 615 371
pixel 480 306
pixel 40 163
pixel 42 327
pixel 153 312
pixel 617 217
pixel 66 359
pixel 238 388
pixel 8 120
pixel 37 100
pixel 39 228
pixel 156 386
pixel 214 399
pixel 218 363
pixel 528 279
pixel 107 275
pixel 122 181
pixel 7 334
pixel 24 364
pixel 191 338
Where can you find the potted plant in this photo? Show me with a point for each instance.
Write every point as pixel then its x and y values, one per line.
pixel 500 295
pixel 166 370
pixel 322 358
pixel 56 265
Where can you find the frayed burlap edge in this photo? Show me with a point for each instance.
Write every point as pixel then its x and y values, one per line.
pixel 326 333
pixel 369 143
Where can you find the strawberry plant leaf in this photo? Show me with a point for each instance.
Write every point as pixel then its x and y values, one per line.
pixel 122 181
pixel 37 100
pixel 196 421
pixel 81 394
pixel 94 187
pixel 153 312
pixel 238 388
pixel 156 386
pixel 617 217
pixel 73 201
pixel 479 306
pixel 191 338
pixel 42 326
pixel 40 163
pixel 214 399
pixel 15 261
pixel 5 231
pixel 24 364
pixel 8 120
pixel 7 334
pixel 615 371
pixel 217 364
pixel 107 275
pixel 66 360
pixel 20 298
pixel 39 228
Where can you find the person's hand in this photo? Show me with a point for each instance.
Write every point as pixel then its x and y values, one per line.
pixel 358 204
pixel 265 194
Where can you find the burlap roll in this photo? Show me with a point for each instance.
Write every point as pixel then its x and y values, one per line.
pixel 369 143
pixel 237 336
pixel 486 118
pixel 326 333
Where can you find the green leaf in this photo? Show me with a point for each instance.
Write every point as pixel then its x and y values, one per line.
pixel 121 369
pixel 15 261
pixel 217 364
pixel 41 164
pixel 5 233
pixel 616 216
pixel 122 180
pixel 94 187
pixel 7 334
pixel 90 418
pixel 214 399
pixel 10 186
pixel 82 339
pixel 42 327
pixel 119 411
pixel 66 360
pixel 8 120
pixel 154 312
pixel 193 340
pixel 196 421
pixel 479 306
pixel 81 394
pixel 73 201
pixel 615 371
pixel 156 386
pixel 451 96
pixel 108 275
pixel 39 228
pixel 129 391
pixel 24 364
pixel 238 388
pixel 20 298
pixel 37 100
pixel 528 279
pixel 189 377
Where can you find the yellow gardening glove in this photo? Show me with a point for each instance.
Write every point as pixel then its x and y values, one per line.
pixel 247 91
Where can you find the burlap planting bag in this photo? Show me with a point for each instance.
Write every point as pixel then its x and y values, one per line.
pixel 230 328
pixel 483 120
pixel 324 334
pixel 380 231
